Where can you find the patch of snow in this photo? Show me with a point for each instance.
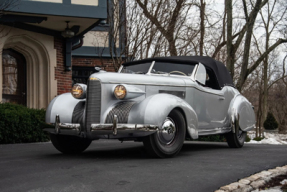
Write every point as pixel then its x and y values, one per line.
pixel 273 189
pixel 270 138
pixel 284 182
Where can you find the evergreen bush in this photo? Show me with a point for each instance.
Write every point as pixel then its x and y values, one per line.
pixel 247 138
pixel 19 124
pixel 270 123
pixel 258 138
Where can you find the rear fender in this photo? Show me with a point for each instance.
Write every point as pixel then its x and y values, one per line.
pixel 241 113
pixel 63 105
pixel 154 109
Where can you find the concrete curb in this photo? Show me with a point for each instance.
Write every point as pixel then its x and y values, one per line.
pixel 253 182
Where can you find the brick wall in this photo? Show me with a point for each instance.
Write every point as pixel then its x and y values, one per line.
pixel 64 78
pixel 105 63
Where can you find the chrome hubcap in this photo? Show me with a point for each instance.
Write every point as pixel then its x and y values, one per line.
pixel 166 133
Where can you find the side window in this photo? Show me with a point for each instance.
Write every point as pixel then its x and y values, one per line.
pixel 211 80
pixel 200 75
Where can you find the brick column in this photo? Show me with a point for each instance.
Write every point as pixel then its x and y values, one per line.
pixel 64 78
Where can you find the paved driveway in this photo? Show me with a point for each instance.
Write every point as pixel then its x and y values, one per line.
pixel 109 165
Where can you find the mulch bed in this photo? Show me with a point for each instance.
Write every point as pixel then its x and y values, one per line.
pixel 275 181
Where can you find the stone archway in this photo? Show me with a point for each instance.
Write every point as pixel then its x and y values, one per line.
pixel 41 84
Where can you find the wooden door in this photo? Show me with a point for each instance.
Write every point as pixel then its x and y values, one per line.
pixel 14 77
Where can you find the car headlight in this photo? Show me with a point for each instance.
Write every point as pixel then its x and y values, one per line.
pixel 79 91
pixel 120 92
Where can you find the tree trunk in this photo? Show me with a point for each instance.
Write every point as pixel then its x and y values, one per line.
pixel 229 62
pixel 202 27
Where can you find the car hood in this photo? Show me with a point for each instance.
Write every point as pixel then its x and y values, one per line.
pixel 126 78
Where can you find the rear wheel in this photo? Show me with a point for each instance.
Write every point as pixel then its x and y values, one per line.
pixel 70 144
pixel 236 140
pixel 168 140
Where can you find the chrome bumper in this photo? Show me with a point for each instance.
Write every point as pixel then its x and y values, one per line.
pixel 100 129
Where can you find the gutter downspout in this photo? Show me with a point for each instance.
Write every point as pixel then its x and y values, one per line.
pixel 69 48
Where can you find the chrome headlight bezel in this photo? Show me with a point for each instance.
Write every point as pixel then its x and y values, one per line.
pixel 120 91
pixel 79 91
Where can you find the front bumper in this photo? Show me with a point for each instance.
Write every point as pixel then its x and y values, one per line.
pixel 101 129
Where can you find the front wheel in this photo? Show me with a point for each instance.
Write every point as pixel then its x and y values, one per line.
pixel 236 140
pixel 70 144
pixel 168 140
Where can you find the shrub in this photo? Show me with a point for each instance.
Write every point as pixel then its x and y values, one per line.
pixel 258 138
pixel 247 138
pixel 270 123
pixel 19 124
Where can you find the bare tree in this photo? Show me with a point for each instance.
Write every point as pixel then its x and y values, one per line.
pixel 6 5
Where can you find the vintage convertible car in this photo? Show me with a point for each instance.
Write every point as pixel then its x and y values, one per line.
pixel 160 101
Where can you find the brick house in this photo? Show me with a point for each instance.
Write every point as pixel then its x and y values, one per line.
pixel 47 45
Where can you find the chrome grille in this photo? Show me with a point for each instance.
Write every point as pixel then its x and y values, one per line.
pixel 122 111
pixel 93 106
pixel 78 112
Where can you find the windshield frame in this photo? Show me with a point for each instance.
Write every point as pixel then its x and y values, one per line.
pixel 148 71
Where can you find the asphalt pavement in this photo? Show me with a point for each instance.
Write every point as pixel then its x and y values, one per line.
pixel 109 165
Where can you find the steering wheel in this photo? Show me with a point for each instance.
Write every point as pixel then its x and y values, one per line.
pixel 177 72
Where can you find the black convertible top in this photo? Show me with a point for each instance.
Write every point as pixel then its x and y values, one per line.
pixel 221 72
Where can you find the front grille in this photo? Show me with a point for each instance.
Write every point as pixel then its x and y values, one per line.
pixel 93 103
pixel 122 111
pixel 78 112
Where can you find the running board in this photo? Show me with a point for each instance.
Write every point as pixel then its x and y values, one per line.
pixel 214 131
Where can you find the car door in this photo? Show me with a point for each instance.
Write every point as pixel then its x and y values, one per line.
pixel 208 102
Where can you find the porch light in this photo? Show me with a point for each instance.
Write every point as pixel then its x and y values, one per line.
pixel 68 33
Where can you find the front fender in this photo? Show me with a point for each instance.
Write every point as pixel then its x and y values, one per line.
pixel 63 105
pixel 154 109
pixel 241 112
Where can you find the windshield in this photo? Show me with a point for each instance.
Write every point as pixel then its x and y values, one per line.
pixel 159 68
pixel 172 68
pixel 137 68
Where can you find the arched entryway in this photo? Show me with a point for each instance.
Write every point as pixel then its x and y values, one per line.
pixel 40 58
pixel 14 86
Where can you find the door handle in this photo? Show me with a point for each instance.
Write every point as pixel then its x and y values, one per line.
pixel 221 98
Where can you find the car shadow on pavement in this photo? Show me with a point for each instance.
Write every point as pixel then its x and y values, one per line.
pixel 133 151
pixel 203 146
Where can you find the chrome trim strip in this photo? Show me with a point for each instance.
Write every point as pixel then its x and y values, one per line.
pixel 114 82
pixel 194 72
pixel 151 84
pixel 218 130
pixel 150 68
pixel 120 69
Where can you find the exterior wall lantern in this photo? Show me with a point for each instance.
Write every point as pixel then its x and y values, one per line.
pixel 68 33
